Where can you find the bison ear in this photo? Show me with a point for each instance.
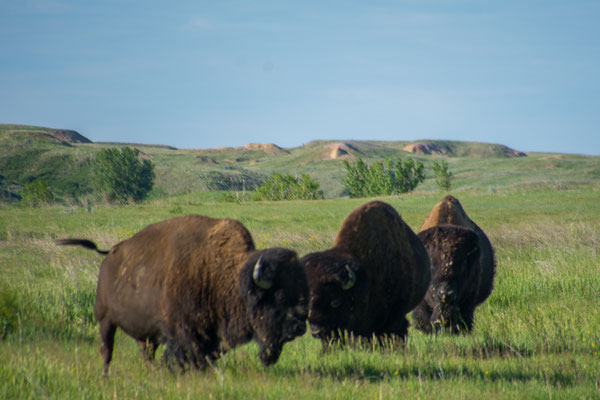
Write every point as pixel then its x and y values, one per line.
pixel 259 276
pixel 350 279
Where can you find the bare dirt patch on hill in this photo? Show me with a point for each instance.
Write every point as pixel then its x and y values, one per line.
pixel 338 151
pixel 268 148
pixel 425 149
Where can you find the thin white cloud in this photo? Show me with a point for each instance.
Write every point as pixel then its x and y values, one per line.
pixel 200 23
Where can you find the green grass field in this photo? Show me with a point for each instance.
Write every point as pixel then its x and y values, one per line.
pixel 537 336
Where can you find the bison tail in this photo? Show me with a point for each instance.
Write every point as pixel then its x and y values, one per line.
pixel 88 244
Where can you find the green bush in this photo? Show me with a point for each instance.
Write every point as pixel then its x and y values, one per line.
pixel 286 187
pixel 36 193
pixel 443 177
pixel 382 179
pixel 122 175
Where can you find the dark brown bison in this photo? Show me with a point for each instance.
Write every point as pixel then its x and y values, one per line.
pixel 198 285
pixel 376 272
pixel 452 296
pixel 450 211
pixel 452 244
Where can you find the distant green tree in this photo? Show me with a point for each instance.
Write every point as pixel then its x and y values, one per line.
pixel 36 193
pixel 287 187
pixel 357 178
pixel 443 177
pixel 308 188
pixel 122 175
pixel 409 173
pixel 382 178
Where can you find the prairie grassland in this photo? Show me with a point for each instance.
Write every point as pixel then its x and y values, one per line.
pixel 537 336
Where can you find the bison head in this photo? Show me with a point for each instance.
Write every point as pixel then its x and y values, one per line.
pixel 337 285
pixel 274 288
pixel 454 254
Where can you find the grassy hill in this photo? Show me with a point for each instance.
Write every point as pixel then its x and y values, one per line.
pixel 62 158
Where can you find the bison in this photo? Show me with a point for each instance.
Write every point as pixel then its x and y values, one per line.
pixel 450 211
pixel 451 299
pixel 376 272
pixel 199 285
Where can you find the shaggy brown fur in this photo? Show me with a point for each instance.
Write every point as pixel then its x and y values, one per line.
pixel 450 211
pixel 188 281
pixel 455 279
pixel 391 271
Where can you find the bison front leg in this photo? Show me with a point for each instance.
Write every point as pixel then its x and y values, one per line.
pixel 394 332
pixel 148 349
pixel 107 334
pixel 191 350
pixel 467 319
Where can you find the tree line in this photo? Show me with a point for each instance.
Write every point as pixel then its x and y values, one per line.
pixel 389 177
pixel 121 176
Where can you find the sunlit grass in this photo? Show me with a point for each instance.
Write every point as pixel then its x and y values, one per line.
pixel 537 336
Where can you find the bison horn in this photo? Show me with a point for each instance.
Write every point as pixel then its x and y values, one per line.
pixel 258 275
pixel 349 283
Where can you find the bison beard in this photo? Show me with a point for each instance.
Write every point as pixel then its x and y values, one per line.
pixel 451 299
pixel 198 285
pixel 375 273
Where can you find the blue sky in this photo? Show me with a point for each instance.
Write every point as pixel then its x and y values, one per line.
pixel 200 74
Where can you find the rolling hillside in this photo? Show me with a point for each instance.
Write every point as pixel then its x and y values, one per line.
pixel 62 158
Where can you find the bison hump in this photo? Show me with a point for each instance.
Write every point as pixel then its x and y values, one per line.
pixel 230 237
pixel 375 232
pixel 447 211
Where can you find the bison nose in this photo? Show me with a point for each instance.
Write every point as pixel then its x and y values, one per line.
pixel 295 327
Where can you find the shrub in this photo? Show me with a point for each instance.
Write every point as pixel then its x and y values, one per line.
pixel 382 178
pixel 287 187
pixel 443 177
pixel 122 175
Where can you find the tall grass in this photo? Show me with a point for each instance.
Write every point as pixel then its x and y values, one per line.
pixel 537 336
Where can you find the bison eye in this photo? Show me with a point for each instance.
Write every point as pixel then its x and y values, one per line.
pixel 335 303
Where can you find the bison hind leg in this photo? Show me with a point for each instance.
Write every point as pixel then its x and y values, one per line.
pixel 107 334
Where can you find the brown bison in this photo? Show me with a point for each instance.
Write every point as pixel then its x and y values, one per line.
pixel 452 296
pixel 449 211
pixel 198 284
pixel 375 273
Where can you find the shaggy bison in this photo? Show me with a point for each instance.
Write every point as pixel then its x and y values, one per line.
pixel 449 211
pixel 450 300
pixel 375 273
pixel 198 284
